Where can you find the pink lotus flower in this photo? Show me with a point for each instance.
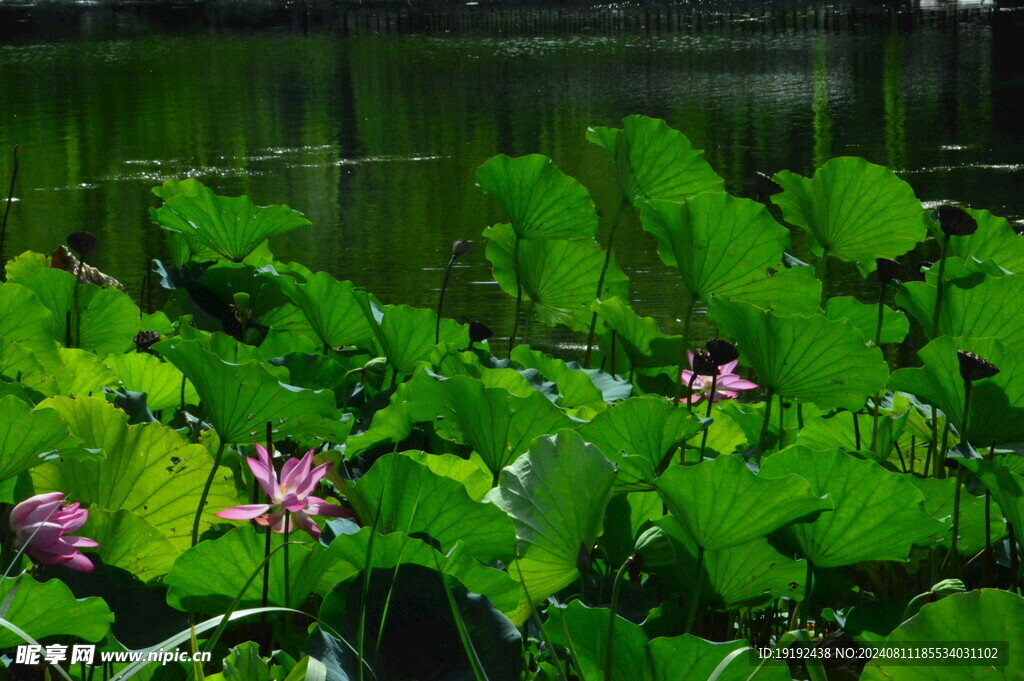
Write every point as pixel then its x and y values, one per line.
pixel 290 498
pixel 726 386
pixel 42 524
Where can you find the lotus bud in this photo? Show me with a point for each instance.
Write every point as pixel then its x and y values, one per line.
pixel 765 186
pixel 479 332
pixel 82 243
pixel 241 306
pixel 887 270
pixel 460 248
pixel 975 368
pixel 721 351
pixel 955 221
pixel 703 364
pixel 144 340
pixel 948 587
pixel 654 548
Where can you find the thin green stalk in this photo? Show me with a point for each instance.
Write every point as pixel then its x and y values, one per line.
pixel 610 641
pixel 266 573
pixel 805 607
pixel 989 563
pixel 519 297
pixel 600 281
pixel 856 431
pixel 762 441
pixel 968 392
pixel 1014 558
pixel 940 288
pixel 7 212
pixel 704 437
pixel 440 299
pixel 878 343
pixel 287 567
pixel 206 493
pixel 691 610
pixel 782 423
pixel 682 356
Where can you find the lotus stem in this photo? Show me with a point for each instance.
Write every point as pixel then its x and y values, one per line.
pixel 600 281
pixel 762 441
pixel 519 297
pixel 266 573
pixel 939 290
pixel 440 298
pixel 691 610
pixel 206 493
pixel 1014 559
pixel 805 607
pixel 782 423
pixel 856 431
pixel 7 212
pixel 878 344
pixel 954 555
pixel 612 616
pixel 287 567
pixel 682 356
pixel 704 436
pixel 989 563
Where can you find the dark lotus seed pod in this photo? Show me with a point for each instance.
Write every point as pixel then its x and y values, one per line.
pixel 144 340
pixel 887 269
pixel 975 368
pixel 82 243
pixel 765 186
pixel 460 248
pixel 479 332
pixel 955 221
pixel 721 351
pixel 584 559
pixel 703 365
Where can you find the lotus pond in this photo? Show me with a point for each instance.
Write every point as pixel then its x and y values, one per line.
pixel 279 469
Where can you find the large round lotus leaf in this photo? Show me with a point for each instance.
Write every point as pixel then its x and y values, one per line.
pixel 583 631
pixel 44 609
pixel 18 363
pixel 230 226
pixel 878 515
pixel 80 372
pixel 25 320
pixel 749 575
pixel 160 381
pixel 939 499
pixel 576 386
pixel 559 277
pixel 332 308
pixel 975 303
pixel 28 436
pixel 853 210
pixel 654 161
pixel 691 657
pixel 542 202
pixel 131 543
pixel 240 399
pixel 721 503
pixel 997 405
pixel 556 494
pixel 717 242
pixel 149 469
pixel 638 339
pixel 108 319
pixel 995 240
pixel 793 290
pixel 807 358
pixel 406 335
pixel 864 317
pixel 978 617
pixel 1007 487
pixel 399 494
pixel 647 426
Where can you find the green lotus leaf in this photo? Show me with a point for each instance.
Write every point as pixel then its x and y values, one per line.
pixel 245 664
pixel 751 574
pixel 995 240
pixel 556 494
pixel 878 515
pixel 975 304
pixel 979 617
pixel 147 469
pixel 25 320
pixel 542 202
pixel 654 161
pixel 160 381
pixel 716 242
pixel 1007 487
pixel 230 226
pixel 839 431
pixel 333 309
pixel 853 210
pixel 470 473
pixel 997 405
pixel 577 387
pixel 559 277
pixel 793 290
pixel 406 335
pixel 131 542
pixel 400 494
pixel 80 372
pixel 18 363
pixel 648 427
pixel 497 424
pixel 691 657
pixel 721 503
pixel 28 436
pixel 239 399
pixel 43 609
pixel 939 498
pixel 864 318
pixel 803 357
pixel 637 338
pixel 584 632
pixel 108 319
